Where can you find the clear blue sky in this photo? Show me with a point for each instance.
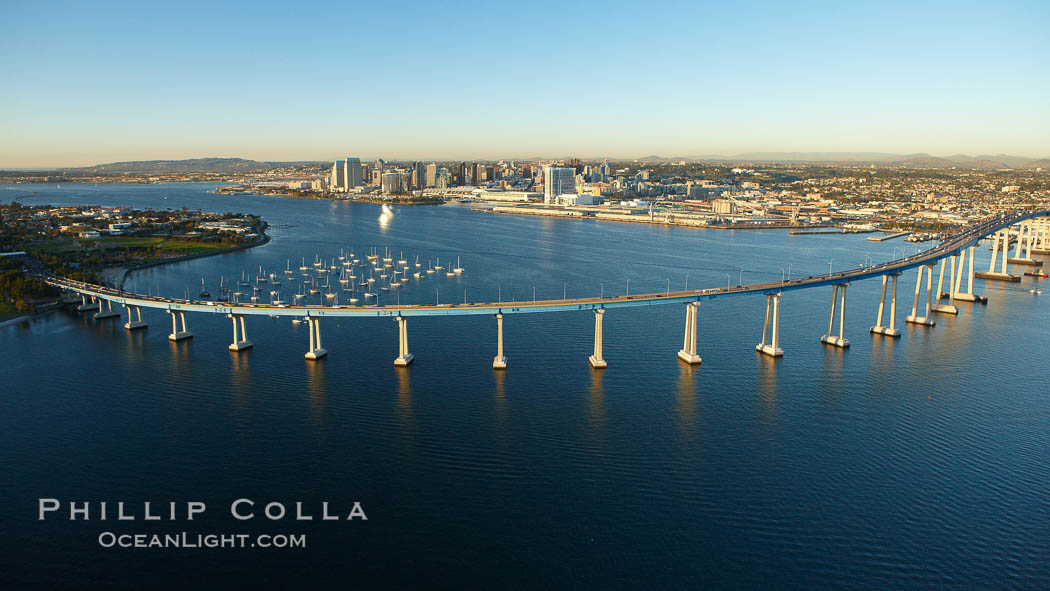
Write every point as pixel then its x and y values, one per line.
pixel 87 82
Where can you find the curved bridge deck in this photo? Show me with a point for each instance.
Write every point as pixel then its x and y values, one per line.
pixel 951 246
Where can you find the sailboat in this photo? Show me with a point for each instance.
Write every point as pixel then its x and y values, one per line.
pixel 430 267
pixel 417 262
pixel 224 292
pixel 204 292
pixel 458 270
pixel 438 266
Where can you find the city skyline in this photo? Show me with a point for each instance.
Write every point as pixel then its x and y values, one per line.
pixel 94 85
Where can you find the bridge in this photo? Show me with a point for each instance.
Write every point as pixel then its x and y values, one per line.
pixel 952 253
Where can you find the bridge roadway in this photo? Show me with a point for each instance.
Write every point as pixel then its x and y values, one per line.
pixel 953 246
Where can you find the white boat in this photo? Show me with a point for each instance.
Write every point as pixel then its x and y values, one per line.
pixel 430 269
pixel 458 270
pixel 418 265
pixel 438 266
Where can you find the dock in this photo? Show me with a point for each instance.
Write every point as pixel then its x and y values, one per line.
pixel 887 237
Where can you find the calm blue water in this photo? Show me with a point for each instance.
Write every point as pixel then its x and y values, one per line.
pixel 916 463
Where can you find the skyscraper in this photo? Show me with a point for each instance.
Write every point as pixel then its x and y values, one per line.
pixel 419 171
pixel 558 181
pixel 338 180
pixel 353 176
pixel 431 175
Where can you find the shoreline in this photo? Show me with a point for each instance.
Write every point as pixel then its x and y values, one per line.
pixel 111 273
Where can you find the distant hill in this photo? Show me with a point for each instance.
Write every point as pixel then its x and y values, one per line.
pixel 919 160
pixel 1041 163
pixel 182 166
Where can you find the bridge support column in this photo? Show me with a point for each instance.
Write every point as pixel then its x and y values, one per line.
pixel 688 352
pixel 499 362
pixel 891 330
pixel 1041 243
pixel 597 361
pixel 315 351
pixel 108 312
pixel 840 340
pixel 772 347
pixel 1025 237
pixel 176 334
pixel 85 306
pixel 240 341
pixel 403 356
pixel 968 295
pixel 924 320
pixel 950 307
pixel 134 318
pixel 1004 237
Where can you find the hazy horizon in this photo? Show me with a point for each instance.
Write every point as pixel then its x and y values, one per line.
pixel 847 155
pixel 96 84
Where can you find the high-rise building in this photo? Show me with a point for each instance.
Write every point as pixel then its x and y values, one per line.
pixel 557 181
pixel 431 175
pixel 395 182
pixel 419 171
pixel 338 170
pixel 352 172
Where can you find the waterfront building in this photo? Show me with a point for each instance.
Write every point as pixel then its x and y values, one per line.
pixel 353 176
pixel 419 175
pixel 338 176
pixel 557 181
pixel 394 182
pixel 431 175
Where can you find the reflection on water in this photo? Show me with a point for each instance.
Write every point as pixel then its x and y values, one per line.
pixel 315 377
pixel 404 394
pixel 686 402
pixel 180 356
pixel 767 384
pixel 596 401
pixel 241 373
pixel 501 403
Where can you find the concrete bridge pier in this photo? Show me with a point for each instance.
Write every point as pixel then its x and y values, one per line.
pixel 596 359
pixel 85 306
pixel 950 307
pixel 499 362
pixel 772 347
pixel 966 258
pixel 1025 241
pixel 316 351
pixel 1041 242
pixel 891 330
pixel 688 352
pixel 403 356
pixel 1002 275
pixel 924 320
pixel 840 340
pixel 240 341
pixel 109 312
pixel 176 334
pixel 134 318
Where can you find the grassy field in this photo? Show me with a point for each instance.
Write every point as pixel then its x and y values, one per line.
pixel 174 246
